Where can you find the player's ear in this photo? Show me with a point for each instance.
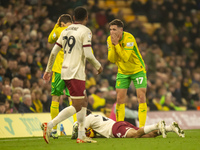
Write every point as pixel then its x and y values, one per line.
pixel 62 24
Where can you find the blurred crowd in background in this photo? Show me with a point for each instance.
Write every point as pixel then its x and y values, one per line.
pixel 171 53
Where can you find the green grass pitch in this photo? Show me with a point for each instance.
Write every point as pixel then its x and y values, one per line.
pixel 172 142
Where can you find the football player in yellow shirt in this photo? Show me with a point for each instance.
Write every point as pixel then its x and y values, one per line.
pixel 124 52
pixel 58 85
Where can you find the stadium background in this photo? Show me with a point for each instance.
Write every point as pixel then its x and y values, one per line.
pixel 168 37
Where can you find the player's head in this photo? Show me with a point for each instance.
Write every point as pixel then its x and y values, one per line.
pixel 80 14
pixel 64 19
pixel 116 26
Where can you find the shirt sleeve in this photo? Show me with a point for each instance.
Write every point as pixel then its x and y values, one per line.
pixel 112 55
pixel 87 38
pixel 52 57
pixel 53 36
pixel 90 57
pixel 125 52
pixel 59 41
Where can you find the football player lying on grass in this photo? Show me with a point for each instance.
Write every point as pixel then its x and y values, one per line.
pixel 111 129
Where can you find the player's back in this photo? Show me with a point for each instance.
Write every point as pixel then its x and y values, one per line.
pixel 73 39
pixel 100 124
pixel 60 56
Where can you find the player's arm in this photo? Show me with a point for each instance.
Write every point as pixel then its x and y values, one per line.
pixel 124 53
pixel 53 36
pixel 47 75
pixel 90 57
pixel 87 37
pixel 112 55
pixel 52 57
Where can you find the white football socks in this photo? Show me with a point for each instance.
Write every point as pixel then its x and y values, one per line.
pixel 168 128
pixel 64 114
pixel 81 120
pixel 150 128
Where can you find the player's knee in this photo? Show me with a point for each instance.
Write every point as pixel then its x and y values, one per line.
pixel 77 107
pixel 142 98
pixel 120 99
pixel 78 104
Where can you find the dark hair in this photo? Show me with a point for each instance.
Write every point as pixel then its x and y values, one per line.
pixel 65 18
pixel 80 13
pixel 88 112
pixel 117 22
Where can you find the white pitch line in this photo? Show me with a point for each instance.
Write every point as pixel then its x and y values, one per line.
pixel 27 139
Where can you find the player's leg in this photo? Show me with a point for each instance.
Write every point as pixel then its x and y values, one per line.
pixel 174 127
pixel 74 116
pixel 142 110
pixel 80 105
pixel 79 102
pixel 75 131
pixel 70 102
pixel 133 133
pixel 122 84
pixel 148 131
pixel 64 114
pixel 54 110
pixel 152 134
pixel 140 83
pixel 120 105
pixel 57 86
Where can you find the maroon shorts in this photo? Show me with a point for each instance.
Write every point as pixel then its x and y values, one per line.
pixel 76 88
pixel 119 129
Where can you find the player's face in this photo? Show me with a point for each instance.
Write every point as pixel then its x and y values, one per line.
pixel 115 30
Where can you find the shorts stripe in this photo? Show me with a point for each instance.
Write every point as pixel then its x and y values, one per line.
pixel 87 45
pixel 77 97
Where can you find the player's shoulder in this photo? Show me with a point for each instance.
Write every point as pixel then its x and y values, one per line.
pixel 60 29
pixel 128 35
pixel 86 28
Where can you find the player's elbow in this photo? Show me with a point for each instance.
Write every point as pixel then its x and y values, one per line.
pixel 112 61
pixel 125 60
pixel 90 59
pixel 50 41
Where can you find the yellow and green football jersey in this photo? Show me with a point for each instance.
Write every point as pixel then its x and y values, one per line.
pixel 126 55
pixel 54 35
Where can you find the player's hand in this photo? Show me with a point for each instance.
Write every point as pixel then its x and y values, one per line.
pixel 47 76
pixel 115 38
pixel 58 21
pixel 100 70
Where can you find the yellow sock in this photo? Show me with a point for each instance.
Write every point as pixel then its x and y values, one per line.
pixel 74 115
pixel 142 113
pixel 54 111
pixel 120 112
